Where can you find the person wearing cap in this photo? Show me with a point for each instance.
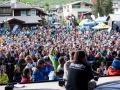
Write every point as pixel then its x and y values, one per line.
pixel 40 74
pixel 114 69
pixel 48 63
pixel 3 76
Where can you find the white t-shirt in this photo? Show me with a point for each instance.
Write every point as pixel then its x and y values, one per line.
pixel 60 68
pixel 31 65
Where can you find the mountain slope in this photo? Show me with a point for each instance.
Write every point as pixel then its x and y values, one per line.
pixel 50 2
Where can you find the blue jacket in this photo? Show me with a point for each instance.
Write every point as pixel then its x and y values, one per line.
pixel 91 58
pixel 39 76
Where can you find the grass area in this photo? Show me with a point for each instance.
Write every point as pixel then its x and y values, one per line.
pixel 60 2
pixel 50 2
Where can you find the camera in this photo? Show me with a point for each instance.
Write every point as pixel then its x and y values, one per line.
pixel 9 86
pixel 61 83
pixel 96 78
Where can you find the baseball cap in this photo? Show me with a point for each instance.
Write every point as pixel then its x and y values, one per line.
pixel 40 61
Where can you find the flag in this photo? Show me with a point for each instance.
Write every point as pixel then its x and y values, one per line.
pixel 81 15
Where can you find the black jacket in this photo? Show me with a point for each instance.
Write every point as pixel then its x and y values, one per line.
pixel 78 76
pixel 1 59
pixel 9 67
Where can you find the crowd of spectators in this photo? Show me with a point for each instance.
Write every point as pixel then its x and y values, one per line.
pixel 39 55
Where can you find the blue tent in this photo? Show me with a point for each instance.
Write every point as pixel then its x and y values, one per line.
pixel 101 19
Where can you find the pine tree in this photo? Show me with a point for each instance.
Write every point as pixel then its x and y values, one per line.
pixel 108 6
pixel 98 8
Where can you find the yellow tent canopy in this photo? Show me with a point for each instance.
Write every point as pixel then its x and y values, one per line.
pixel 101 26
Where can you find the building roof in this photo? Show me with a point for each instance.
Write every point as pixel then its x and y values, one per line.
pixel 24 19
pixel 19 5
pixel 80 2
pixel 114 17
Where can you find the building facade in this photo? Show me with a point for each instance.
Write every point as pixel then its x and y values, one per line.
pixel 116 7
pixel 21 14
pixel 76 8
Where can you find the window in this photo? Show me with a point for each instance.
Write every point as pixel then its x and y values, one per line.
pixel 28 13
pixel 33 13
pixel 1 11
pixel 23 13
pixel 75 6
pixel 87 5
pixel 67 6
pixel 78 5
pixel 114 4
pixel 5 10
pixel 116 9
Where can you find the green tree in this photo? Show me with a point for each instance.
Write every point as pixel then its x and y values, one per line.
pixel 98 8
pixel 6 26
pixel 46 7
pixel 31 2
pixel 108 4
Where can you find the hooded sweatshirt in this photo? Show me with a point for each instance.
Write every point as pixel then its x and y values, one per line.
pixel 54 60
pixel 3 77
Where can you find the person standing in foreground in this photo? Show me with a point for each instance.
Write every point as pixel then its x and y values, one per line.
pixel 79 73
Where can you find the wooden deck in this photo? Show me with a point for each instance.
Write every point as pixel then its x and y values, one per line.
pixel 54 85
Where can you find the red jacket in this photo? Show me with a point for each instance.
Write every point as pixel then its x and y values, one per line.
pixel 25 79
pixel 113 71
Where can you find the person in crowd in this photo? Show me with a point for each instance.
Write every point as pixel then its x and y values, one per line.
pixel 109 56
pixel 3 76
pixel 22 63
pixel 80 73
pixel 114 69
pixel 61 61
pixel 9 62
pixel 1 60
pixel 33 57
pixel 40 49
pixel 40 74
pixel 37 56
pixel 67 64
pixel 104 52
pixel 48 63
pixel 27 52
pixel 17 75
pixel 90 57
pixel 30 63
pixel 56 75
pixel 102 69
pixel 114 54
pixel 99 58
pixel 54 57
pixel 26 75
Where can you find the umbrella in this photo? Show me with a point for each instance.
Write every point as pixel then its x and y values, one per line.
pixel 101 26
pixel 89 24
pixel 84 21
pixel 101 19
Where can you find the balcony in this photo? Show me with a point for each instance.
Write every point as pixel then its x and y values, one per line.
pixel 81 10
